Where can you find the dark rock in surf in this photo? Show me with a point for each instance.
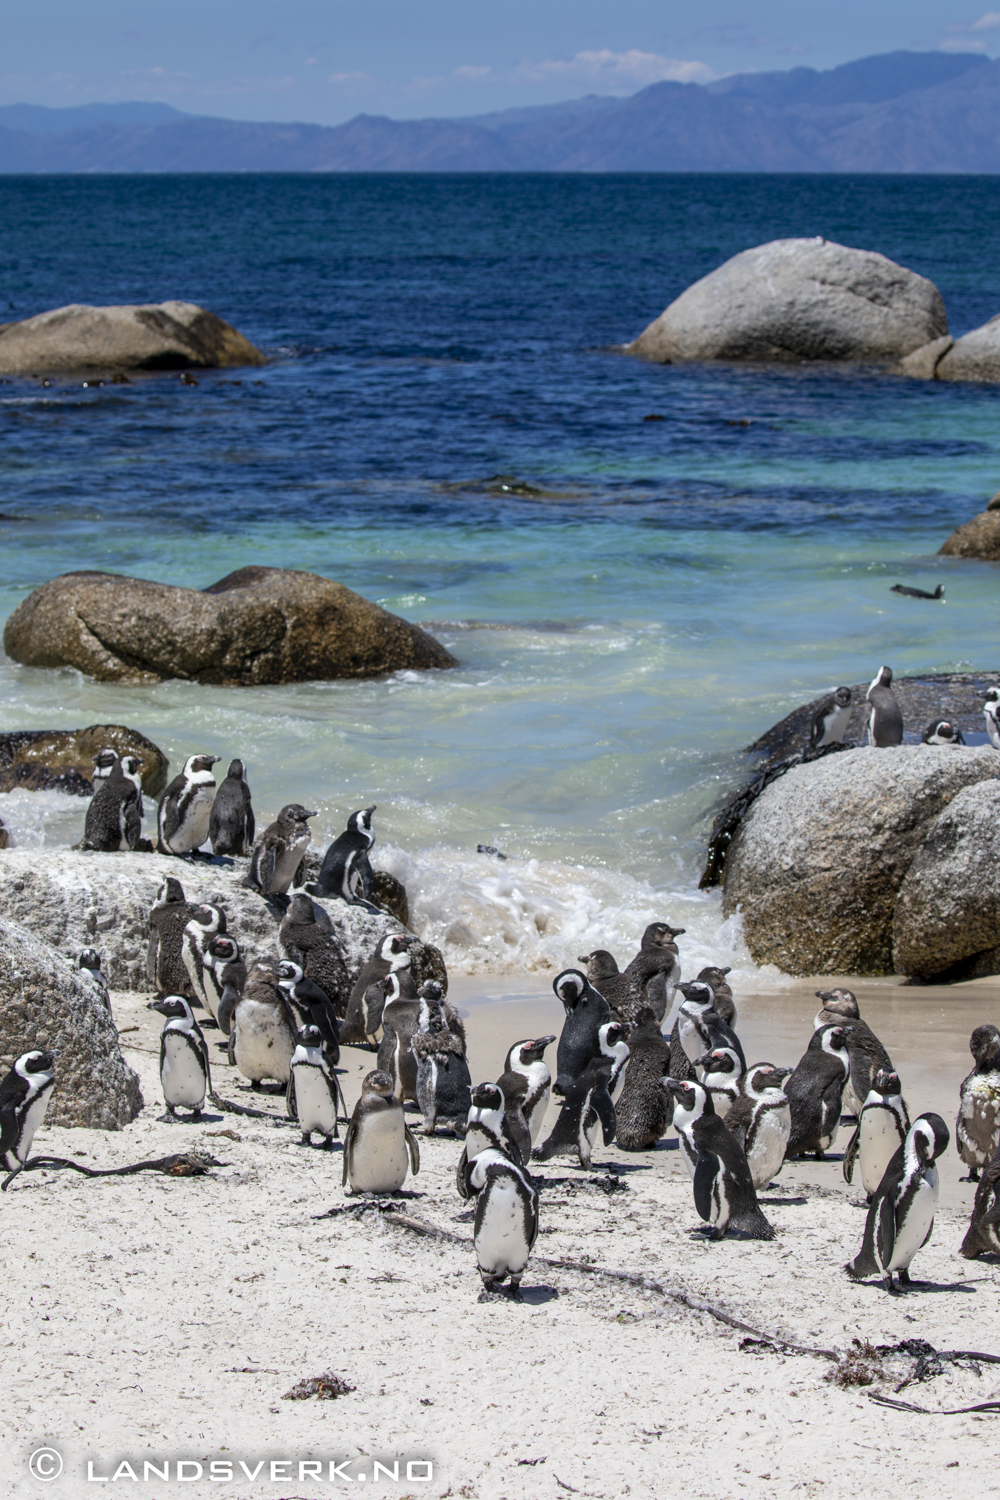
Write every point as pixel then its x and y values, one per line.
pixel 63 759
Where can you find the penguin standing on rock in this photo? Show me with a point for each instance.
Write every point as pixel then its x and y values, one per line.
pixel 24 1098
pixel 991 710
pixel 586 1012
pixel 815 1092
pixel 885 720
pixel 186 806
pixel 276 857
pixel 724 1193
pixel 379 1142
pixel 89 963
pixel 444 1083
pixel 364 1009
pixel 313 1089
pixel 977 1129
pixel 231 823
pixel 506 1224
pixel 761 1121
pixel 942 732
pixel 223 970
pixel 168 917
pixel 113 819
pixel 831 719
pixel 346 871
pixel 901 1214
pixel 184 1069
pixel 882 1128
pixel 306 938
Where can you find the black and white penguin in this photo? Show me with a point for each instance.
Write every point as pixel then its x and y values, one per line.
pixel 483 1129
pixel 506 1224
pixel 724 1192
pixel 205 923
pixel 643 1109
pixel 983 1233
pixel 761 1121
pixel 262 1027
pixel 104 763
pixel 169 915
pixel 901 1214
pixel 231 822
pixel 312 1007
pixel 379 1144
pixel 991 710
pixel 526 1081
pixel 882 1128
pixel 223 970
pixel 400 1021
pixel 612 1044
pixel 588 1107
pixel 186 806
pixel 586 1012
pixel 885 720
pixel 24 1098
pixel 865 1053
pixel 977 1128
pixel 346 871
pixel 113 819
pixel 184 1069
pixel 831 719
pixel 278 853
pixel 701 1027
pixel 723 1000
pixel 132 769
pixel 942 732
pixel 313 1089
pixel 444 1083
pixel 815 1092
pixel 89 963
pixel 306 938
pixel 364 1008
pixel 721 1077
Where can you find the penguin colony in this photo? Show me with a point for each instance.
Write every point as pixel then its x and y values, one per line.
pixel 884 722
pixel 619 1074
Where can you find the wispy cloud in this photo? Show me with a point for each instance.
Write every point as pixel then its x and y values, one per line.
pixel 617 70
pixel 966 37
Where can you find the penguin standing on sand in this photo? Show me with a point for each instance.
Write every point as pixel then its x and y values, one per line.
pixel 977 1129
pixel 506 1224
pixel 313 1089
pixel 231 822
pixel 901 1214
pixel 379 1143
pixel 815 1092
pixel 761 1121
pixel 24 1098
pixel 306 938
pixel 831 719
pixel 113 818
pixel 701 1027
pixel 865 1053
pixel 882 1128
pixel 364 1008
pixel 223 971
pixel 643 1109
pixel 991 710
pixel 942 732
pixel 400 1020
pixel 724 1193
pixel 983 1233
pixel 277 855
pixel 586 1012
pixel 526 1079
pixel 184 1070
pixel 261 1026
pixel 483 1130
pixel 885 720
pixel 588 1105
pixel 186 806
pixel 444 1083
pixel 346 871
pixel 312 1007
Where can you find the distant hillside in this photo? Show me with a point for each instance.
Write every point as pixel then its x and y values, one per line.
pixel 899 112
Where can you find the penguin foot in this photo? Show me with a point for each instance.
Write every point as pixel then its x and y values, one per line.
pixel 196 1114
pixel 306 1138
pixel 514 1292
pixel 820 1156
pixel 255 1085
pixel 972 1177
pixel 490 1291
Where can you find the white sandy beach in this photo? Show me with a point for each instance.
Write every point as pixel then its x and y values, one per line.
pixel 150 1319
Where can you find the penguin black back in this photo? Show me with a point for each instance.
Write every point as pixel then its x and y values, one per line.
pixel 231 822
pixel 586 1011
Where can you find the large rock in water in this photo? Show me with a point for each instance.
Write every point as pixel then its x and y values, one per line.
pixel 794 300
pixel 74 899
pixel 979 537
pixel 816 864
pixel 255 626
pixel 155 336
pixel 46 1003
pixel 946 922
pixel 975 356
pixel 63 759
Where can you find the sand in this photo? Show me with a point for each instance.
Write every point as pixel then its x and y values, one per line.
pixel 152 1319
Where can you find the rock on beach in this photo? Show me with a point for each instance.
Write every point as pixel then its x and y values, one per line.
pixel 152 336
pixel 794 300
pixel 255 626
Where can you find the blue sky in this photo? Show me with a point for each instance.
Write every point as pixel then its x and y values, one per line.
pixel 326 60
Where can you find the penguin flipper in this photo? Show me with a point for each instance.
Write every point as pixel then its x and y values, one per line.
pixel 386 1056
pixel 348 1146
pixel 604 1106
pixel 291 1107
pixel 704 1179
pixel 462 1176
pixel 885 1232
pixel 851 1154
pixel 8 1131
pixel 414 1150
pixel 133 823
pixel 266 866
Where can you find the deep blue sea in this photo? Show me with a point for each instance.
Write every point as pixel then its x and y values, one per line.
pixel 674 588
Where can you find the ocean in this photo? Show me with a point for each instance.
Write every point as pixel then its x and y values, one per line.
pixel 446 425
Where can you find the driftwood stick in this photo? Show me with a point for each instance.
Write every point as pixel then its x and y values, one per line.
pixel 179 1164
pixel 230 1107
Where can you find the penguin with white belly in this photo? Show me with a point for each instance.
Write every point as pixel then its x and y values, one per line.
pixel 379 1144
pixel 588 1106
pixel 724 1193
pixel 761 1120
pixel 483 1130
pixel 206 923
pixel 881 1130
pixel 831 719
pixel 313 1089
pixel 722 1077
pixel 346 871
pixel 186 806
pixel 184 1069
pixel 506 1224
pixel 312 1006
pixel 24 1098
pixel 263 1027
pixel 901 1214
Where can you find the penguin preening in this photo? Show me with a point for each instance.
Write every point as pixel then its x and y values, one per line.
pixel 184 1067
pixel 186 807
pixel 831 719
pixel 761 1120
pixel 313 1089
pixel 882 1128
pixel 724 1193
pixel 942 732
pixel 24 1098
pixel 885 720
pixel 379 1143
pixel 346 871
pixel 231 822
pixel 991 708
pixel 506 1224
pixel 977 1128
pixel 901 1213
pixel 444 1083
pixel 815 1092
pixel 278 854
pixel 586 1012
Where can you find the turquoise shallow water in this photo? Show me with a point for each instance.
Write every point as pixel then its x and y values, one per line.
pixel 676 587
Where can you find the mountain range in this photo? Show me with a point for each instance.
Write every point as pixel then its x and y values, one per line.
pixel 897 112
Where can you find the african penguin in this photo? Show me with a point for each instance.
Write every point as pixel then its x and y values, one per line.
pixel 815 1092
pixel 169 915
pixel 89 963
pixel 977 1128
pixel 444 1083
pixel 364 1008
pixel 400 1020
pixel 901 1214
pixel 586 1011
pixel 104 763
pixel 306 938
pixel 483 1130
pixel 346 870
pixel 24 1098
pixel 885 720
pixel 865 1052
pixel 313 1089
pixel 983 1233
pixel 279 852
pixel 991 708
pixel 723 1002
pixel 205 923
pixel 506 1224
pixel 222 970
pixel 643 1110
pixel 186 806
pixel 881 1129
pixel 662 983
pixel 942 732
pixel 113 819
pixel 312 1007
pixel 761 1120
pixel 231 822
pixel 588 1106
pixel 721 1077
pixel 724 1192
pixel 132 770
pixel 262 1026
pixel 701 1027
pixel 184 1069
pixel 379 1142
pixel 526 1079
pixel 831 719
